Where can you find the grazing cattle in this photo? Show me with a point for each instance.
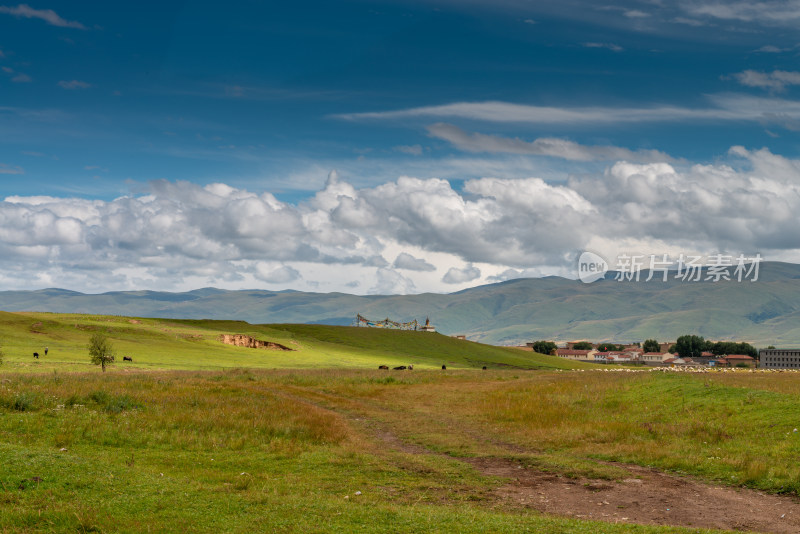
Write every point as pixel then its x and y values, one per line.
pixel 127 359
pixel 444 367
pixel 36 355
pixel 484 367
pixel 45 351
pixel 411 367
pixel 400 368
pixel 383 367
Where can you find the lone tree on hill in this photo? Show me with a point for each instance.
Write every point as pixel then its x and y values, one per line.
pixel 101 351
pixel 651 345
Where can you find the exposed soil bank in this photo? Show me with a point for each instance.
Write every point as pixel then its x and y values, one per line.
pixel 241 340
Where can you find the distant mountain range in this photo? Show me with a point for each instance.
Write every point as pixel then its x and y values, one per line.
pixel 763 312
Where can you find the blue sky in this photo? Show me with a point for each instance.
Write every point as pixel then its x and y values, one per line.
pixel 326 145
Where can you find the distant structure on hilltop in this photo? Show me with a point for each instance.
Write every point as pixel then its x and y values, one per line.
pixel 394 325
pixel 428 326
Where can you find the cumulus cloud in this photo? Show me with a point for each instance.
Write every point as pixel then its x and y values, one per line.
pixel 459 276
pixel 215 234
pixel 409 262
pixel 544 146
pixel 280 275
pixel 776 80
pixel 508 274
pixel 390 282
pixel 47 15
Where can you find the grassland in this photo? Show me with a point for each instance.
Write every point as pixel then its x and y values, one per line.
pixel 245 451
pixel 194 344
pixel 162 447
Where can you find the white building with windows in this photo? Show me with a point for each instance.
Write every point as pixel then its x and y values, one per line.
pixel 779 359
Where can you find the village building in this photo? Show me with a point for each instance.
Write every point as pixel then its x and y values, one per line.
pixel 779 358
pixel 655 358
pixel 580 355
pixel 706 357
pixel 735 360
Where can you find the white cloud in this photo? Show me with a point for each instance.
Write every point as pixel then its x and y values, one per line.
pixel 775 12
pixel 47 15
pixel 409 262
pixel 544 146
pixel 21 78
pixel 609 46
pixel 73 84
pixel 723 107
pixel 280 275
pixel 635 14
pixel 776 80
pixel 508 274
pixel 390 282
pixel 180 234
pixel 460 276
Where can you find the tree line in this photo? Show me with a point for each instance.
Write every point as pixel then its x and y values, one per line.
pixel 687 346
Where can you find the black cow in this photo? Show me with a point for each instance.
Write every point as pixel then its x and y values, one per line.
pixel 127 359
pixel 484 367
pixel 36 355
pixel 444 367
pixel 400 368
pixel 383 367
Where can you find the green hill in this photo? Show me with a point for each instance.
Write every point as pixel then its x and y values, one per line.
pixel 509 313
pixel 196 344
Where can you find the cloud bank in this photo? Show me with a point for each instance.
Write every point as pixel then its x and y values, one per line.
pixel 440 238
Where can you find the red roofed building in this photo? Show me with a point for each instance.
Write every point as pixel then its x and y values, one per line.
pixel 738 359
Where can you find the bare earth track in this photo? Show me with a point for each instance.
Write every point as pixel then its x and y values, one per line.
pixel 647 496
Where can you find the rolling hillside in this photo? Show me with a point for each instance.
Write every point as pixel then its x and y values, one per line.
pixel 763 312
pixel 196 344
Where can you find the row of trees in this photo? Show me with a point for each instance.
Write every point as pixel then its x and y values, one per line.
pixel 687 346
pixel 690 346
